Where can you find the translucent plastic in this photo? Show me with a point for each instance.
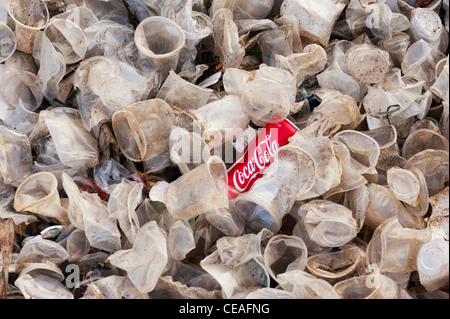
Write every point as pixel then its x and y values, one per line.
pixel 307 168
pixel 432 264
pixel 264 205
pixel 187 149
pixel 316 18
pixel 394 248
pixel 438 222
pixel 338 265
pixel 113 287
pixel 328 224
pixel 68 38
pixel 15 155
pixel 183 94
pixel 64 124
pixel 8 43
pixel 423 139
pixel 285 253
pixel 434 166
pixel 226 39
pixel 383 205
pixel 106 85
pixel 180 240
pixel 39 194
pixel 77 245
pixel 146 260
pixel 337 111
pixel 221 120
pixel 303 65
pixel 303 285
pixel 237 264
pixel 123 201
pixel 52 66
pixel 159 41
pixel 89 213
pixel 39 250
pixel 201 190
pixel 410 187
pixel 274 43
pixel 367 64
pixel 426 25
pixel 29 16
pixel 19 83
pixel 143 128
pixel 371 286
pixel 42 281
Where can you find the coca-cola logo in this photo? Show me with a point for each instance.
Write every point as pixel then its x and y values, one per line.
pixel 262 157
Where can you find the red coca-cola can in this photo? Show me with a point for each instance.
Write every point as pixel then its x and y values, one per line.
pixel 257 156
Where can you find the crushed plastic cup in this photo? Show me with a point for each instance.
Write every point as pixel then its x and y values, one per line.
pixel 426 24
pixel 432 264
pixel 285 253
pixel 121 85
pixel 15 155
pixel 264 205
pixel 39 194
pixel 367 64
pixel 42 281
pixel 434 166
pixel 438 222
pixel 370 286
pixel 159 41
pixel 387 246
pixel 311 160
pixel 336 266
pixel 303 285
pixel 303 65
pixel 29 16
pixel 273 43
pixel 253 149
pixel 8 43
pixel 52 65
pixel 410 187
pixel 316 18
pixel 328 224
pixel 184 149
pixel 19 83
pixel 111 39
pixel 226 38
pixel 68 38
pixel 183 94
pixel 65 124
pixel 223 118
pixel 206 190
pixel 252 9
pixel 142 129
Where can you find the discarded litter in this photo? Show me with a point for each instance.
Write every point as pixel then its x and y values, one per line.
pixel 224 149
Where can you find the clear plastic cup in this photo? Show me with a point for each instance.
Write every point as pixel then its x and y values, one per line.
pixel 39 194
pixel 29 16
pixel 201 190
pixel 433 265
pixel 143 129
pixel 15 156
pixel 8 43
pixel 68 38
pixel 264 205
pixel 316 18
pixel 159 41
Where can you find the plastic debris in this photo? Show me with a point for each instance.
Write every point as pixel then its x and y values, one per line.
pixel 224 149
